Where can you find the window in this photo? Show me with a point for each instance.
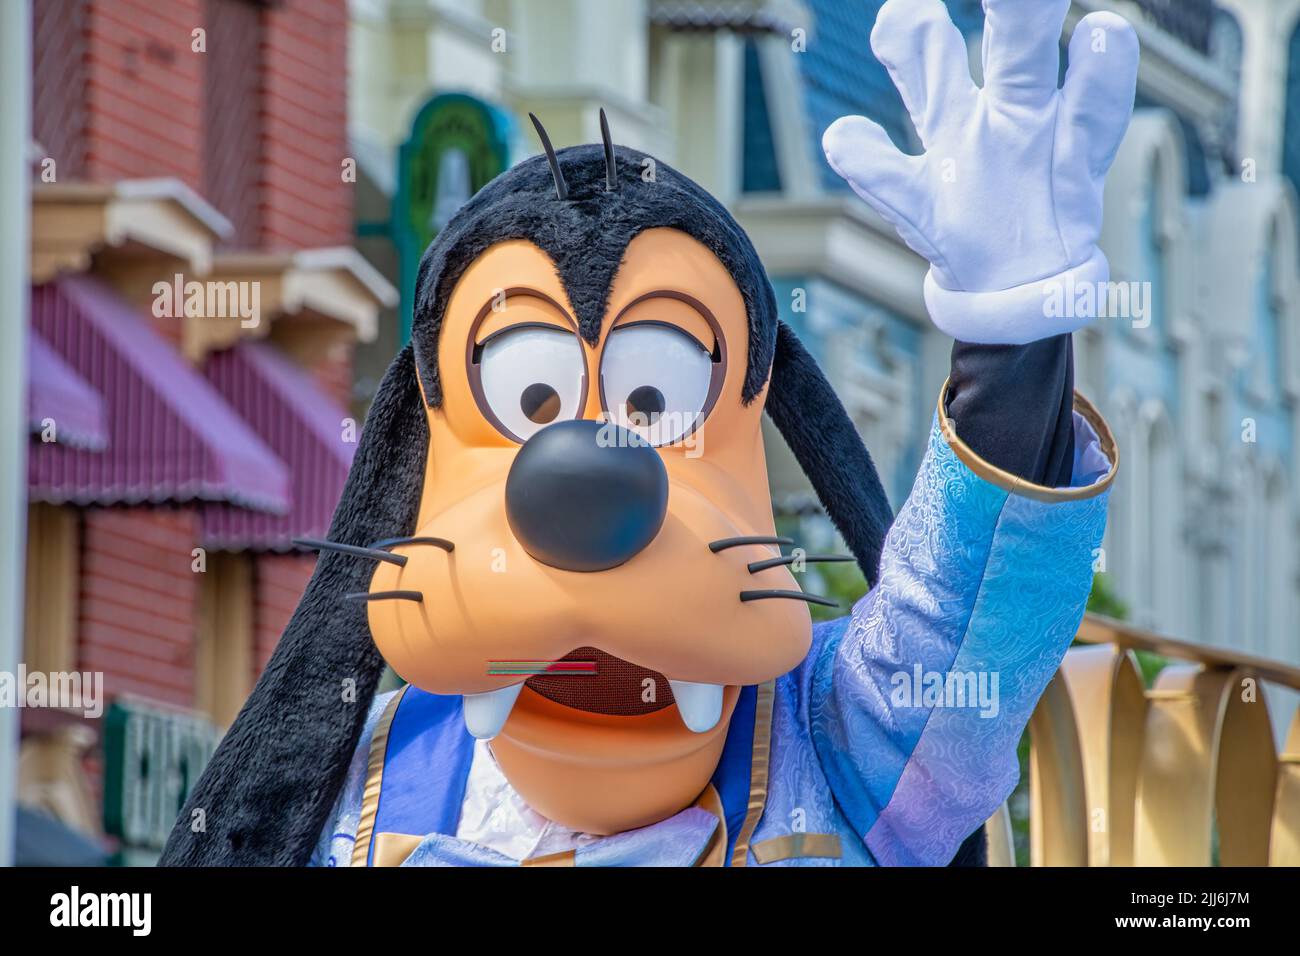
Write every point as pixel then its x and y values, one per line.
pixel 1163 561
pixel 759 169
pixel 1226 44
pixel 1291 127
pixel 1153 261
pixel 1279 639
pixel 53 578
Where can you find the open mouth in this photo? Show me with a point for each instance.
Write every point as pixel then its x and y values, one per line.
pixel 618 688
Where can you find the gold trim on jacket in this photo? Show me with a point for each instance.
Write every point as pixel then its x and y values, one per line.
pixel 374 781
pixel 1027 489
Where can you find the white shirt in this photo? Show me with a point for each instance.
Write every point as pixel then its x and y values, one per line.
pixel 494 815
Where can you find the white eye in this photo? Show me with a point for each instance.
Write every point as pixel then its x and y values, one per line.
pixel 655 380
pixel 531 376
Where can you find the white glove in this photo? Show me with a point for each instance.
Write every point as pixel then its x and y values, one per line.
pixel 1006 201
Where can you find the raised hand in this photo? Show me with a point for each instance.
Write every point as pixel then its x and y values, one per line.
pixel 1006 201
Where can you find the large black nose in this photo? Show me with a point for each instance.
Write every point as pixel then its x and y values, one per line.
pixel 586 496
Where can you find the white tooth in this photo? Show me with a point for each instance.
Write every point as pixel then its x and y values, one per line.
pixel 699 704
pixel 486 713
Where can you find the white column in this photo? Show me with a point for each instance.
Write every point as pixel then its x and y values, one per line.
pixel 1266 29
pixel 791 135
pixel 15 134
pixel 573 57
pixel 698 81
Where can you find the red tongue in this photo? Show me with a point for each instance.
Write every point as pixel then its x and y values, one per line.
pixel 618 688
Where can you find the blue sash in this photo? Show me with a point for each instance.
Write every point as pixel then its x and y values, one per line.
pixel 429 751
pixel 426 766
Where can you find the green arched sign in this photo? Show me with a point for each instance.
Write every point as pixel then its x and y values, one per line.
pixel 458 143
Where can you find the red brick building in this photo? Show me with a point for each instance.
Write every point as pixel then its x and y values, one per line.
pixel 205 139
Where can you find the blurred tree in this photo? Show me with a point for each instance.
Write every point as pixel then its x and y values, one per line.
pixel 1102 599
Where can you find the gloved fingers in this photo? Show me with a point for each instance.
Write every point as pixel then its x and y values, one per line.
pixel 862 153
pixel 925 55
pixel 1022 60
pixel 1100 86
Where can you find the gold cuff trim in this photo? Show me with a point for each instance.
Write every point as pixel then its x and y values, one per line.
pixel 798 846
pixel 758 771
pixel 1027 489
pixel 715 854
pixel 563 858
pixel 374 782
pixel 392 849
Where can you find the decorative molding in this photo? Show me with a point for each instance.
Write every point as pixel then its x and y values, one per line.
pixel 333 290
pixel 572 116
pixel 1171 72
pixel 840 239
pixel 136 219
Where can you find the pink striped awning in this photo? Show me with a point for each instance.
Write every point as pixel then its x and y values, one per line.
pixel 171 437
pixel 61 407
pixel 302 425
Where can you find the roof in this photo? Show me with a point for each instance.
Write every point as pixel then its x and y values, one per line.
pixel 841 77
pixel 708 17
pixel 302 425
pixel 57 394
pixel 171 437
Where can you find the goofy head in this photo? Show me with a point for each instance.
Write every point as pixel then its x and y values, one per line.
pixel 560 510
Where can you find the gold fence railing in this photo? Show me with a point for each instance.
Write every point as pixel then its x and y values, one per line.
pixel 1183 773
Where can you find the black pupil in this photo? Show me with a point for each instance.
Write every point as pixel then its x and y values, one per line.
pixel 540 403
pixel 646 401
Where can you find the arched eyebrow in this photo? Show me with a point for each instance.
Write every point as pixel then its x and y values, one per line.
pixel 664 324
pixel 484 325
pixel 716 347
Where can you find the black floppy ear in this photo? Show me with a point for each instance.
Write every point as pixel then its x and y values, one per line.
pixel 271 784
pixel 813 422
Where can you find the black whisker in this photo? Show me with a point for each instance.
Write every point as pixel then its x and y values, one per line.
pixel 352 549
pixel 433 542
pixel 561 187
pixel 611 168
pixel 747 596
pixel 384 596
pixel 725 543
pixel 757 566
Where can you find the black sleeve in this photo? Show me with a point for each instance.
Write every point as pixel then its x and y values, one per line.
pixel 1013 405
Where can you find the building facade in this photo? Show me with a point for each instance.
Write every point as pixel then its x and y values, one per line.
pixel 195 304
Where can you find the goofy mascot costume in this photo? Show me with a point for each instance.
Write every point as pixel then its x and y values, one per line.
pixel 558 530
